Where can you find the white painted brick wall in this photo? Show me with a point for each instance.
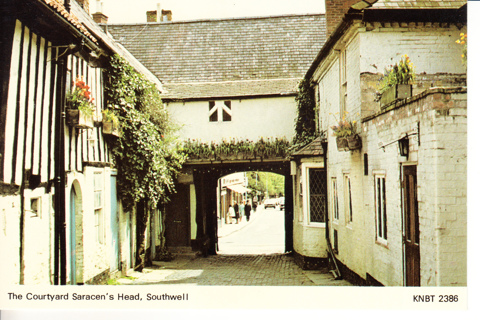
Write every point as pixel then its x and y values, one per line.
pixel 439 174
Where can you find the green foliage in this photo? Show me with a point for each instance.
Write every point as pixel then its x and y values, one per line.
pixel 259 182
pixel 80 97
pixel 264 148
pixel 345 127
pixel 305 131
pixel 402 72
pixel 146 155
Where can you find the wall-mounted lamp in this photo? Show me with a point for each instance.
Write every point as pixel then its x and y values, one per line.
pixel 403 146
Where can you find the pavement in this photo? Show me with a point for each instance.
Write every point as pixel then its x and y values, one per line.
pixel 225 229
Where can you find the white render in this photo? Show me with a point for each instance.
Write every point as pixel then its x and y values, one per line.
pixel 251 119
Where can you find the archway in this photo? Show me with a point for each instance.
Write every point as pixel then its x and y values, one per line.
pixel 200 181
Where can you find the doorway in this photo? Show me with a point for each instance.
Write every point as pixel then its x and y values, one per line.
pixel 411 226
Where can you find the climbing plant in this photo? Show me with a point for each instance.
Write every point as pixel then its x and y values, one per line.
pixel 305 130
pixel 147 155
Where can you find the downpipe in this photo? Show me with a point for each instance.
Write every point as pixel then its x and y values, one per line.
pixel 336 272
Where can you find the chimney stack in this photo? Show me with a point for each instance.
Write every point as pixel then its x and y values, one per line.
pixel 335 10
pixel 98 16
pixel 159 15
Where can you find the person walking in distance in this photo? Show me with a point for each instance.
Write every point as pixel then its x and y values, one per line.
pixel 235 208
pixel 241 210
pixel 248 209
pixel 231 214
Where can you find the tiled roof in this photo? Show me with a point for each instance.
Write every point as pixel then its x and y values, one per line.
pixel 58 5
pixel 99 34
pixel 226 50
pixel 420 4
pixel 314 148
pixel 202 90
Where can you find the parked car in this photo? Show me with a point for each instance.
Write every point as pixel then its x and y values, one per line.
pixel 281 203
pixel 270 203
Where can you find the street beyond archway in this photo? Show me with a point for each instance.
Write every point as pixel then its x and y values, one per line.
pixel 263 234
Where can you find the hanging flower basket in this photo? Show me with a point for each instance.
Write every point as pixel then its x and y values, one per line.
pixel 79 119
pixel 354 142
pixel 342 144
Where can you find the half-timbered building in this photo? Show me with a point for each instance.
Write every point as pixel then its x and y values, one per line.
pixel 60 216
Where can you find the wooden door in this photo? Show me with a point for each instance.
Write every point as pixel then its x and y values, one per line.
pixel 177 222
pixel 411 226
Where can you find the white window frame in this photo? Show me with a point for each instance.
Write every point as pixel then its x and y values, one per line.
pixel 220 107
pixel 381 219
pixel 347 196
pixel 306 193
pixel 335 205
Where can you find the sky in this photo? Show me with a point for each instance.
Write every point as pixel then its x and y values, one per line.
pixel 134 11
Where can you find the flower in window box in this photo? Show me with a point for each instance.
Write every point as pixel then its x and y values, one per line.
pixel 80 108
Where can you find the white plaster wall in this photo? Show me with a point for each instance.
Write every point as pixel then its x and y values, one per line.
pixel 9 239
pixel 251 119
pixel 96 256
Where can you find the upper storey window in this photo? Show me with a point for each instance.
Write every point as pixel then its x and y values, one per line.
pixel 219 112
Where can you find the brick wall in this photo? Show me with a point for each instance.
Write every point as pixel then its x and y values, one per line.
pixel 441 176
pixel 335 10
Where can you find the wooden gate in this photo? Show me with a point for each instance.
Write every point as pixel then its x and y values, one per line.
pixel 411 226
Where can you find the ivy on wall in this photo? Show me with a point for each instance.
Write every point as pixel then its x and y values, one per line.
pixel 305 129
pixel 147 155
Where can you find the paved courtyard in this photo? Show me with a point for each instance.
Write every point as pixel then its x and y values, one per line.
pixel 232 270
pixel 251 254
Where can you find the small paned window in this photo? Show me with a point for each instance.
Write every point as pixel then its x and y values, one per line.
pixel 381 208
pixel 317 194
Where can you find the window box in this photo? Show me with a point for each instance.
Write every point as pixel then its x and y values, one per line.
pixel 110 128
pixel 395 92
pixel 79 119
pixel 354 142
pixel 342 144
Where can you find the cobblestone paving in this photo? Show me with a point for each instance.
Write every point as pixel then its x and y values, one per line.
pixel 233 270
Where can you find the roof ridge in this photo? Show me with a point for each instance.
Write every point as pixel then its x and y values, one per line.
pixel 216 20
pixel 231 81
